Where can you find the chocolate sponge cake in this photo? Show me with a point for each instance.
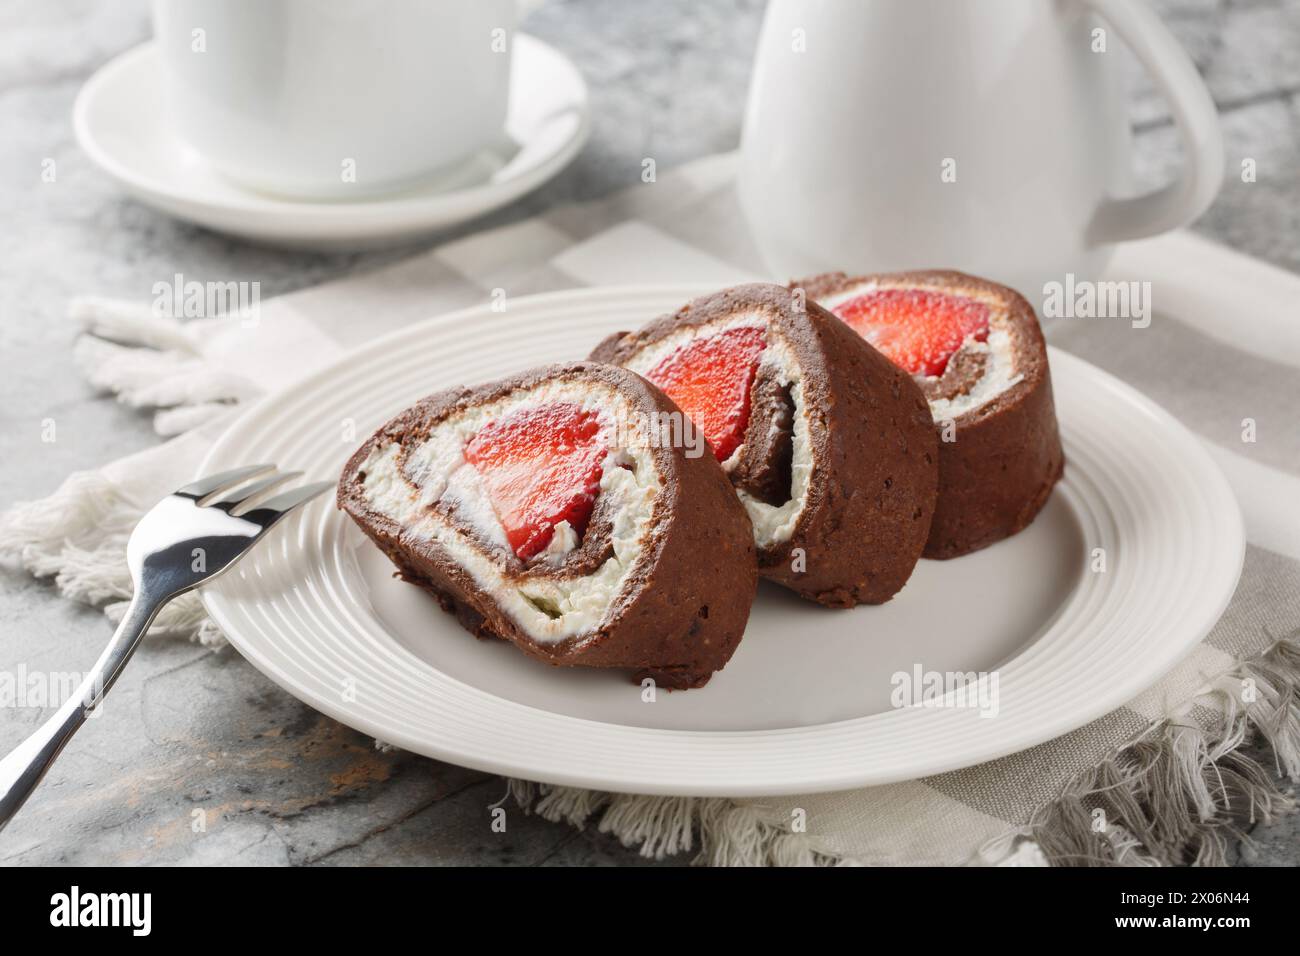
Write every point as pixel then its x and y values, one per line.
pixel 545 509
pixel 829 446
pixel 976 349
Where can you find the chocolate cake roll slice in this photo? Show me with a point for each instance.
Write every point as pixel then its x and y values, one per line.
pixel 545 510
pixel 829 445
pixel 976 349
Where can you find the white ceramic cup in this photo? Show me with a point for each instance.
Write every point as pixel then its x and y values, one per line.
pixel 984 135
pixel 336 99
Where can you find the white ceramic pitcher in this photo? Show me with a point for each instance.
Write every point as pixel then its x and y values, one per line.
pixel 983 135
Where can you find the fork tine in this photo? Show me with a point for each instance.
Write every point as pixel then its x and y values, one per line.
pixel 243 496
pixel 222 481
pixel 285 502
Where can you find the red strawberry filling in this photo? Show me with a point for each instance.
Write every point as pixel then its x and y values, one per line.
pixel 917 329
pixel 710 378
pixel 540 466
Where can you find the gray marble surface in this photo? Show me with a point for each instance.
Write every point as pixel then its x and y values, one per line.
pixel 198 729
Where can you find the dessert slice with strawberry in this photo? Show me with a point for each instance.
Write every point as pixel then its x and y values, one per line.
pixel 543 509
pixel 977 351
pixel 828 445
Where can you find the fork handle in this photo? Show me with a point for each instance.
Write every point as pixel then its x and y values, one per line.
pixel 24 767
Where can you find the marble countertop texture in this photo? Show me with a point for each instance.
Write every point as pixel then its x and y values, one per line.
pixel 195 727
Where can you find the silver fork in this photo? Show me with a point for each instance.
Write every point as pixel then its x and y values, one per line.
pixel 185 540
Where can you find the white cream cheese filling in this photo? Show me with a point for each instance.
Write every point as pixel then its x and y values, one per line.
pixel 547 609
pixel 999 375
pixel 773 524
pixel 1000 371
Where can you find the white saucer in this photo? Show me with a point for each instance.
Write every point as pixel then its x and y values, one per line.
pixel 121 123
pixel 805 704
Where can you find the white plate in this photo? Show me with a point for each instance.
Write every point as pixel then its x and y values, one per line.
pixel 120 118
pixel 804 704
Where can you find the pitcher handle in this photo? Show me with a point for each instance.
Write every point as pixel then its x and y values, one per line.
pixel 1182 200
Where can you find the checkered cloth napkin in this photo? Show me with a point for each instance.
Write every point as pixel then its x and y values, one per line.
pixel 1164 769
